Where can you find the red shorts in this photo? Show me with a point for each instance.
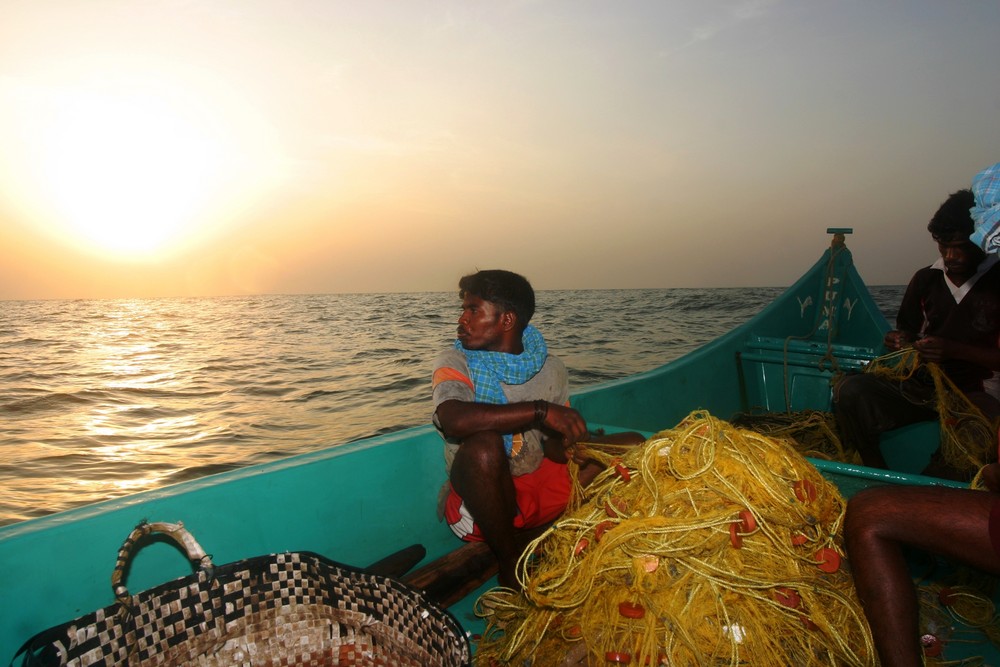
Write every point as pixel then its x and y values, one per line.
pixel 541 497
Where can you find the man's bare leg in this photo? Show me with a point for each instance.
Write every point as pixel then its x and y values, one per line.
pixel 880 521
pixel 481 476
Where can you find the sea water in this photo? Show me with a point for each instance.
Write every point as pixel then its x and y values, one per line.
pixel 102 398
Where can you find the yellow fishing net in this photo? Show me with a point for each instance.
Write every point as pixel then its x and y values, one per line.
pixel 707 545
pixel 812 433
pixel 968 438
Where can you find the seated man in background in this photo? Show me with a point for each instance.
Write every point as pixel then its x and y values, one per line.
pixel 502 404
pixel 950 314
pixel 960 524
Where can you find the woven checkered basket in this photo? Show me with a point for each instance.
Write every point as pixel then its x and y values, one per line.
pixel 279 610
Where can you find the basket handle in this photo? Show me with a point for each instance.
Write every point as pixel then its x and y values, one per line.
pixel 175 531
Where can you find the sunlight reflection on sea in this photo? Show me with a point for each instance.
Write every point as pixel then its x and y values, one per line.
pixel 105 398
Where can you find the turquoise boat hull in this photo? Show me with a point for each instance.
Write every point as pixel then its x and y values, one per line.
pixel 361 501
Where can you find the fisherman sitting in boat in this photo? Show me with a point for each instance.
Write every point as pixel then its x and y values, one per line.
pixel 961 524
pixel 950 314
pixel 502 404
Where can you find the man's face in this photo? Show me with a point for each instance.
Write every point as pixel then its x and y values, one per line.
pixel 480 326
pixel 961 256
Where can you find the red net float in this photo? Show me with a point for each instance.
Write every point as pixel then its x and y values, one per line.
pixel 615 507
pixel 828 560
pixel 618 657
pixel 631 609
pixel 787 597
pixel 602 528
pixel 735 538
pixel 805 491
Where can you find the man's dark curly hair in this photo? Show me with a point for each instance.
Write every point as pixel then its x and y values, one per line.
pixel 953 219
pixel 508 290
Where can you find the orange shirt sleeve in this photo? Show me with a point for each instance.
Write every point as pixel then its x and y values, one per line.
pixel 446 374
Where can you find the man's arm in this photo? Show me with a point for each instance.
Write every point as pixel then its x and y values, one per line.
pixel 910 317
pixel 938 349
pixel 460 419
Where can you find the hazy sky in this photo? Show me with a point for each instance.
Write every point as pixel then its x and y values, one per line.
pixel 156 147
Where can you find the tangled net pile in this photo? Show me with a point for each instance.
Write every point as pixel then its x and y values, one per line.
pixel 968 439
pixel 708 545
pixel 812 433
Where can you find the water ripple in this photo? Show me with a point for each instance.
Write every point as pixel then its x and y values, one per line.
pixel 104 398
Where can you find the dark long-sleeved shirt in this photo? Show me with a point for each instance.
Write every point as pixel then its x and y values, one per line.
pixel 929 308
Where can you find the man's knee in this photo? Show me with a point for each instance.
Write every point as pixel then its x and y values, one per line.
pixel 851 390
pixel 864 511
pixel 482 445
pixel 478 453
pixel 902 514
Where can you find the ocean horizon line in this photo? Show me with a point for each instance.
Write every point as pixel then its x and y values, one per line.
pixel 178 297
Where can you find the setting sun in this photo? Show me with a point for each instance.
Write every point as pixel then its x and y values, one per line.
pixel 127 174
pixel 166 147
pixel 134 165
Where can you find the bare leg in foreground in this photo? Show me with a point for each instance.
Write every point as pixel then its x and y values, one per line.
pixel 949 522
